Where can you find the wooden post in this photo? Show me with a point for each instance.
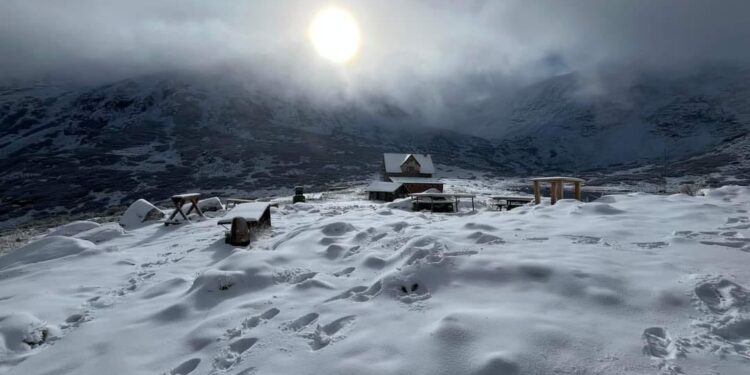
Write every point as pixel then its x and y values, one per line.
pixel 578 190
pixel 562 189
pixel 553 192
pixel 537 194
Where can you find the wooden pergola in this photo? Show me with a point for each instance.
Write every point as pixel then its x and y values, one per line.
pixel 556 187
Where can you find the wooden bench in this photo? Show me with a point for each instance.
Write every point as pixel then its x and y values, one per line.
pixel 181 199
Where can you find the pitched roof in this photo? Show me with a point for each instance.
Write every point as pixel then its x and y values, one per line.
pixel 410 156
pixel 393 162
pixel 383 187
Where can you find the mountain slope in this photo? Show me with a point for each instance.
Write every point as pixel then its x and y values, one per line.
pixel 571 121
pixel 84 149
pixel 152 137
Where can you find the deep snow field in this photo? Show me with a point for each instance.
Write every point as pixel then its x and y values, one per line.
pixel 629 284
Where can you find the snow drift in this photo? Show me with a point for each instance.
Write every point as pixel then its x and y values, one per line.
pixel 631 284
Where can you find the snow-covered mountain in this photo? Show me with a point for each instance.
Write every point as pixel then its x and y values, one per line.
pixel 91 148
pixel 81 149
pixel 583 122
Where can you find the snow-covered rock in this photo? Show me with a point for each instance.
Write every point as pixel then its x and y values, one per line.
pixel 22 332
pixel 138 212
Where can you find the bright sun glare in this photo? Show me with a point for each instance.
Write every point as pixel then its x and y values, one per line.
pixel 335 34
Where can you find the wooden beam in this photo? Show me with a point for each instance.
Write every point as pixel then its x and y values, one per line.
pixel 537 194
pixel 553 192
pixel 562 190
pixel 578 190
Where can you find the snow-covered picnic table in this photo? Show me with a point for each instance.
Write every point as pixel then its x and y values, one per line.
pixel 180 200
pixel 509 201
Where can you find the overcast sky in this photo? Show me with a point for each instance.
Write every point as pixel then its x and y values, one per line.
pixel 407 46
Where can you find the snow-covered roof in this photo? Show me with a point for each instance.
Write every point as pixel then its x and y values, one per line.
pixel 383 187
pixel 393 162
pixel 558 178
pixel 250 210
pixel 415 180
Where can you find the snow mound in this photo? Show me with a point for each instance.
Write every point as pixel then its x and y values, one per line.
pixel 101 233
pixel 138 212
pixel 607 199
pixel 47 248
pixel 22 332
pixel 400 204
pixel 603 209
pixel 73 228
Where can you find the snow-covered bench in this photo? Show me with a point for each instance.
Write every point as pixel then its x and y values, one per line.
pixel 245 217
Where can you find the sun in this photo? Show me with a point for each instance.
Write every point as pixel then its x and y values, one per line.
pixel 335 34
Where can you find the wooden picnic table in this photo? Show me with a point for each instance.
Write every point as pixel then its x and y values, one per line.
pixel 181 199
pixel 509 202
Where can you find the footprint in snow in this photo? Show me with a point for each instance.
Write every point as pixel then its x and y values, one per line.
pixel 232 355
pixel 651 245
pixel 359 293
pixel 186 367
pixel 740 222
pixel 345 271
pixel 722 295
pixel 326 334
pixel 659 344
pixel 258 319
pixel 412 293
pixel 300 323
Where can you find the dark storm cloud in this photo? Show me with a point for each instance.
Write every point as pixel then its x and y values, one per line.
pixel 409 48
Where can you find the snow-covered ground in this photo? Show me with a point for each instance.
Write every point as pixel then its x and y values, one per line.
pixel 630 284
